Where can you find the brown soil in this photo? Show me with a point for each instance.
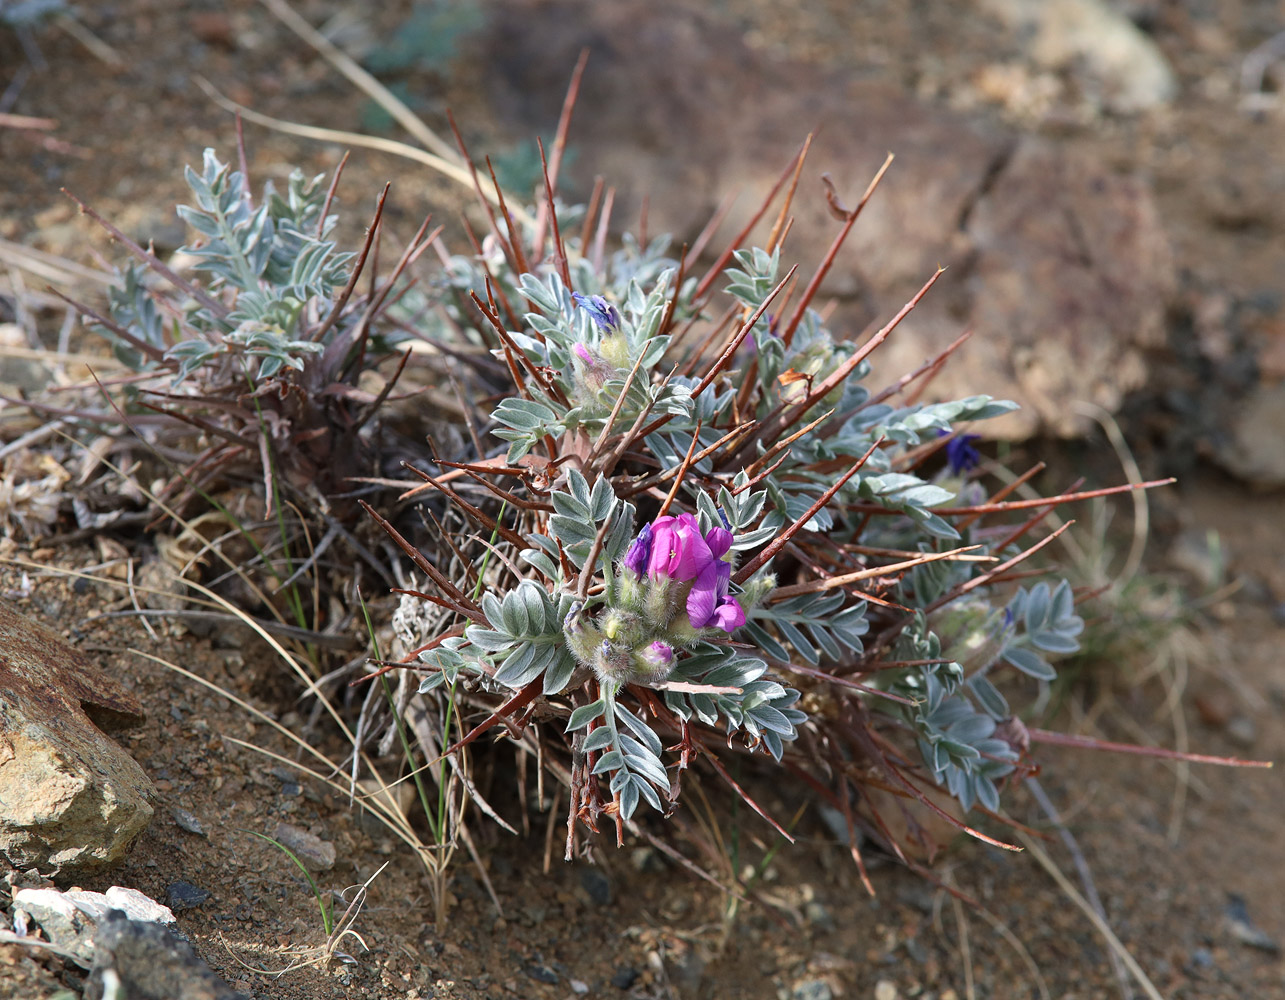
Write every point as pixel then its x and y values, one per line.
pixel 1218 178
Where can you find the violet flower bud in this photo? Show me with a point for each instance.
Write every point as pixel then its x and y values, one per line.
pixel 639 552
pixel 659 655
pixel 604 315
pixel 961 454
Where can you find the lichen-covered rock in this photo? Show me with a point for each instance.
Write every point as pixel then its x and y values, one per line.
pixel 71 800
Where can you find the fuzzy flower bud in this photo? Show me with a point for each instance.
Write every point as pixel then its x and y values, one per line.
pixel 655 661
pixel 960 452
pixel 592 369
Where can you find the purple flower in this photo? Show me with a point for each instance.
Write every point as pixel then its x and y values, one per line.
pixel 961 454
pixel 605 316
pixel 639 552
pixel 680 551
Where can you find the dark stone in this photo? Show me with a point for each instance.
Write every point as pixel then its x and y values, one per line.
pixel 151 964
pixel 1242 927
pixel 597 885
pixel 624 977
pixel 184 896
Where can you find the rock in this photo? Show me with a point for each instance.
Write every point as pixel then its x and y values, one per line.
pixel 70 919
pixel 1243 929
pixel 316 854
pixel 148 962
pixel 1242 731
pixel 188 821
pixel 1067 273
pixel 1117 67
pixel 184 895
pixel 1254 449
pixel 597 885
pixel 812 989
pixel 1058 264
pixel 70 798
pixel 541 974
pixel 624 977
pixel 886 989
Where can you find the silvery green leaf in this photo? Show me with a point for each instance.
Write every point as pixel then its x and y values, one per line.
pixel 989 697
pixel 640 728
pixel 612 760
pixel 629 799
pixel 558 674
pixel 520 667
pixel 541 561
pixel 488 640
pixel 585 714
pixel 602 500
pixel 599 738
pixel 1054 642
pixel 533 601
pixel 579 490
pixel 1038 605
pixel 1028 663
pixel 514 610
pixel 431 682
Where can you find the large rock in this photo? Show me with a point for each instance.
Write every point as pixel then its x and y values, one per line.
pixel 71 800
pixel 1118 68
pixel 144 960
pixel 1058 264
pixel 70 919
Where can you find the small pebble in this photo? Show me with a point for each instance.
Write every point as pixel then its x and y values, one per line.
pixel 624 977
pixel 315 853
pixel 886 989
pixel 812 989
pixel 542 974
pixel 1241 731
pixel 1202 958
pixel 818 915
pixel 188 821
pixel 184 896
pixel 1242 927
pixel 579 987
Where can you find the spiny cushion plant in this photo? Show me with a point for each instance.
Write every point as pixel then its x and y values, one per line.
pixel 248 390
pixel 712 531
pixel 264 360
pixel 707 528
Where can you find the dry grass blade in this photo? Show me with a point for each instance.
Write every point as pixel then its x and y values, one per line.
pixel 377 92
pixel 1036 851
pixel 445 167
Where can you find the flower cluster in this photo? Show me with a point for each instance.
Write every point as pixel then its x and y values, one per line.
pixel 674 591
pixel 674 548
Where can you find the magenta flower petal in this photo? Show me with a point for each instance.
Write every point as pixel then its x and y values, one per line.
pixel 719 541
pixel 703 597
pixel 659 654
pixel 664 540
pixel 729 615
pixel 678 548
